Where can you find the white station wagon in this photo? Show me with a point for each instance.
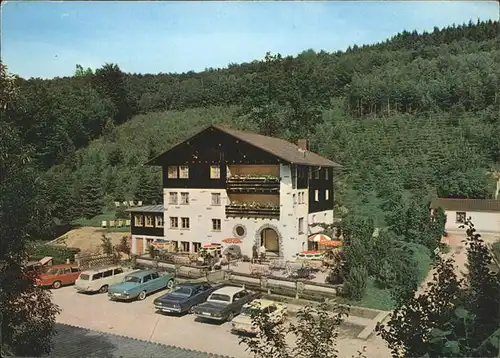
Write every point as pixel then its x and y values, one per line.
pixel 99 279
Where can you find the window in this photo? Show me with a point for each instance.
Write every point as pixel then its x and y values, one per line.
pixel 154 275
pixel 97 276
pixel 118 271
pixel 326 173
pixel 107 273
pixel 185 246
pixel 214 172
pixel 184 198
pixel 301 225
pixel 159 221
pixel 146 278
pixel 310 173
pixel 172 172
pixel 183 172
pixel 316 173
pixel 461 216
pixel 67 270
pixel 185 223
pixel 216 224
pixel 75 269
pixel 294 176
pixel 215 198
pixel 240 230
pixel 174 222
pixel 316 195
pixel 172 198
pixel 196 246
pixel 327 194
pixel 295 199
pixel 149 220
pixel 138 220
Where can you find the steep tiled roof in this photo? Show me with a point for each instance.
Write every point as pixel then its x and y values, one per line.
pixel 147 209
pixel 280 148
pixel 490 205
pixel 74 341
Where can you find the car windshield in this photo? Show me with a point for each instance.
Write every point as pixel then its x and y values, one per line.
pixel 133 279
pixel 84 277
pixel 182 291
pixel 52 271
pixel 220 297
pixel 249 311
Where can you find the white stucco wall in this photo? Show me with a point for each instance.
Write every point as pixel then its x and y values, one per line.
pixel 201 212
pixel 487 222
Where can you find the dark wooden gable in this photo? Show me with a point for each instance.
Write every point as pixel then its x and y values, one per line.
pixel 211 146
pixel 208 148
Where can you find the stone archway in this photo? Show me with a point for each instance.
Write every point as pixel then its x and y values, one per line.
pixel 270 236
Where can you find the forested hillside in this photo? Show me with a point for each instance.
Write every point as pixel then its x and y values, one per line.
pixel 416 115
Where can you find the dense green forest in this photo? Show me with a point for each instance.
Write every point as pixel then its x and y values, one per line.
pixel 417 114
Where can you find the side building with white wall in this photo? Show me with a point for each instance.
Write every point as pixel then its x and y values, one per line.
pixel 224 183
pixel 484 213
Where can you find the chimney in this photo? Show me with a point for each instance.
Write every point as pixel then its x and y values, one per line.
pixel 302 144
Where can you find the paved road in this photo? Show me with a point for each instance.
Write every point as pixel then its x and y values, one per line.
pixel 138 319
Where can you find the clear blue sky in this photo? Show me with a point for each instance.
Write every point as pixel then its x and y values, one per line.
pixel 47 39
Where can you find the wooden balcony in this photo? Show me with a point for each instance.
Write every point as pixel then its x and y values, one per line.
pixel 253 185
pixel 244 211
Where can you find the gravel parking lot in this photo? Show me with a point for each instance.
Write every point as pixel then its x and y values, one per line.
pixel 138 319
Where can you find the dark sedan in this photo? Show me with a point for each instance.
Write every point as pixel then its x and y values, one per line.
pixel 185 296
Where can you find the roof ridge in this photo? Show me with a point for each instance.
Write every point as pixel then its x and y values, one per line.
pixel 141 340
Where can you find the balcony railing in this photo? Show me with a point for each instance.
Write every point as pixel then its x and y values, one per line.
pixel 267 185
pixel 252 211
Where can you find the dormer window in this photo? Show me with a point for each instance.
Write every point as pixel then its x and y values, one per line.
pixel 184 172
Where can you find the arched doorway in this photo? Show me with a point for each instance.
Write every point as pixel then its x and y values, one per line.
pixel 270 239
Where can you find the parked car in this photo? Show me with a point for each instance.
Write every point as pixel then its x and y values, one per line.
pixel 99 279
pixel 140 283
pixel 185 296
pixel 58 275
pixel 243 323
pixel 224 304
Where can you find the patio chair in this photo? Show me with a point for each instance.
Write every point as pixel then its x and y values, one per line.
pixel 104 224
pixel 127 222
pixel 125 203
pixel 119 223
pixel 112 223
pixel 117 204
pixel 131 203
pixel 139 203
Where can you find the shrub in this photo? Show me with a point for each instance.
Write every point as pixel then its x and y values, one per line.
pixel 58 253
pixel 355 283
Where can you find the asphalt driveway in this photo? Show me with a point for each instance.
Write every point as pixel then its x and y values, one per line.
pixel 138 319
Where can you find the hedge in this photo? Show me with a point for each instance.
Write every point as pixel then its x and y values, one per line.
pixel 58 253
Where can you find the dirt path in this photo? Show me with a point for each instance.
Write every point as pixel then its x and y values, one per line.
pixel 458 251
pixel 88 239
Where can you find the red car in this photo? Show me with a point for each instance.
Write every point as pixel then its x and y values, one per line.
pixel 58 275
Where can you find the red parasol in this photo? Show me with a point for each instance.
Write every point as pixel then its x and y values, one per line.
pixel 319 238
pixel 232 240
pixel 334 243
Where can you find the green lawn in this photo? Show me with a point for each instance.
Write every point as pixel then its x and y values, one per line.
pixel 96 221
pixel 378 298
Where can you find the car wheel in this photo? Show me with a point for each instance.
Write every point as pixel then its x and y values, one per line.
pixel 103 289
pixel 56 285
pixel 230 316
pixel 142 295
pixel 170 284
pixel 191 310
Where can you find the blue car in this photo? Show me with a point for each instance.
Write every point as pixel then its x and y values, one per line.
pixel 139 284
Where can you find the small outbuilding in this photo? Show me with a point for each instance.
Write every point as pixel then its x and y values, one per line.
pixel 484 213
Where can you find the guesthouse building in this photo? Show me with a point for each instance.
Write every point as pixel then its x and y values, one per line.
pixel 224 183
